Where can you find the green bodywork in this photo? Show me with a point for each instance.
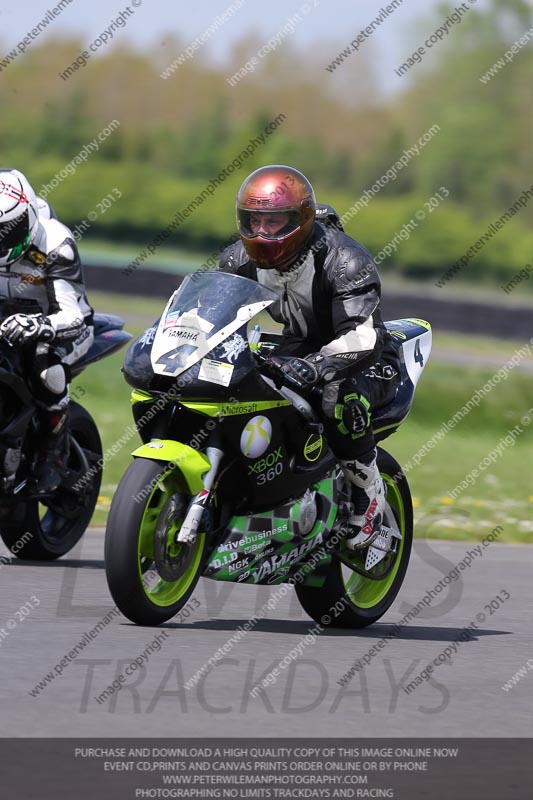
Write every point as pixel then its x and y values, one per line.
pixel 159 591
pixel 254 557
pixel 272 552
pixel 190 463
pixel 212 409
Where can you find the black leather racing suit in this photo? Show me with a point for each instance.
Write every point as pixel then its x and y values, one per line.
pixel 48 278
pixel 330 307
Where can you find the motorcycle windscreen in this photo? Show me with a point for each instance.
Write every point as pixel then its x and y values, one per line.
pixel 207 308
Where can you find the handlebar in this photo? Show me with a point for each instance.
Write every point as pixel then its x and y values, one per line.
pixel 299 402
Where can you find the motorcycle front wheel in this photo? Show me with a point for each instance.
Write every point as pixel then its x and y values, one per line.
pixel 348 599
pixel 149 574
pixel 44 531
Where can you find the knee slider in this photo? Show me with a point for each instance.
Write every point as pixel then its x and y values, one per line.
pixel 54 379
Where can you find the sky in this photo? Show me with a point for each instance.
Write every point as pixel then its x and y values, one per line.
pixel 321 30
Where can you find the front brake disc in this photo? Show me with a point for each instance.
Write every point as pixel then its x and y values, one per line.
pixel 172 558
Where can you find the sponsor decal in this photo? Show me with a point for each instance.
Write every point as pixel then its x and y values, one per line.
pixel 256 437
pixel 280 574
pixel 36 256
pixel 181 333
pixel 273 565
pixel 215 372
pixel 368 528
pixel 398 334
pixel 250 540
pixel 172 320
pixel 313 447
pixel 233 346
pixel 253 548
pixel 148 337
pixel 223 561
pixel 265 463
pixel 238 565
pixel 229 410
pixel 202 497
pixel 421 322
pixel 267 468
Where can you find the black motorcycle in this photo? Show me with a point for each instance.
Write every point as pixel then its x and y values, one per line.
pixel 235 480
pixel 45 527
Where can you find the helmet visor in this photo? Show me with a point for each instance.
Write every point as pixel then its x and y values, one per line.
pixel 267 224
pixel 14 233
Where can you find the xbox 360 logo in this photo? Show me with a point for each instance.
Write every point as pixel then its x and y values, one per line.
pixel 256 437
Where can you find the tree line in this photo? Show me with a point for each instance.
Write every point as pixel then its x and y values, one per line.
pixel 175 135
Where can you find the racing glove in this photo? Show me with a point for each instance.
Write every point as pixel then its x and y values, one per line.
pixel 299 374
pixel 19 329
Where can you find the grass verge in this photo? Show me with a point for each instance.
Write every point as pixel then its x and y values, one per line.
pixel 501 495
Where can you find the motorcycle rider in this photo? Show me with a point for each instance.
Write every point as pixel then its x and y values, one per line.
pixel 334 337
pixel 43 304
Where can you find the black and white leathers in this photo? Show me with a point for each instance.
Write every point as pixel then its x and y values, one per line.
pixel 331 297
pixel 48 279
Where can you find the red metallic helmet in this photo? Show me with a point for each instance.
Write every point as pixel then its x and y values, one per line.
pixel 276 210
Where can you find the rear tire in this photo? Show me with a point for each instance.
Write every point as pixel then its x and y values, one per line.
pixel 46 532
pixel 349 600
pixel 139 505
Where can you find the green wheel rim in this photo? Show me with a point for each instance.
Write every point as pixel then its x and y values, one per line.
pixel 164 593
pixel 364 592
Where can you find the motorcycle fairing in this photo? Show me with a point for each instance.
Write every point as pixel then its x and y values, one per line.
pixel 413 339
pixel 267 547
pixel 232 408
pixel 190 462
pixel 198 318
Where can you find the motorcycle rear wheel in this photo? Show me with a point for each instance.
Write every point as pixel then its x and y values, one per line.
pixel 348 599
pixel 139 506
pixel 44 532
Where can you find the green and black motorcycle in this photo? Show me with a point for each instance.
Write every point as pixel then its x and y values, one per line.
pixel 234 481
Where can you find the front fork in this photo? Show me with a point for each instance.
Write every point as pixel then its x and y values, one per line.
pixel 199 502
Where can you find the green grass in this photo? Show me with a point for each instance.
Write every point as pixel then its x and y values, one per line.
pixel 499 349
pixel 503 494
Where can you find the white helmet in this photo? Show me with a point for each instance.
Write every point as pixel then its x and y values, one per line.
pixel 18 215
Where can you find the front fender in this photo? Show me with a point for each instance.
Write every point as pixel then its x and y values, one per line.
pixel 192 464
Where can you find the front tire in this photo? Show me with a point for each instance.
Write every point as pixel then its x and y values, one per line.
pixel 145 591
pixel 348 599
pixel 44 532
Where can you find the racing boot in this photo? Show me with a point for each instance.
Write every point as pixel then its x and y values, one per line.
pixel 53 451
pixel 368 497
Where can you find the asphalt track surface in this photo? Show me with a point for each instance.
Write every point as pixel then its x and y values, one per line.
pixel 463 697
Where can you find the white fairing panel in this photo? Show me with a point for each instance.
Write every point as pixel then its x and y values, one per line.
pixel 416 353
pixel 183 339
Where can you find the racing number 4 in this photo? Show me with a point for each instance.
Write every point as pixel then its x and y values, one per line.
pixel 168 358
pixel 419 358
